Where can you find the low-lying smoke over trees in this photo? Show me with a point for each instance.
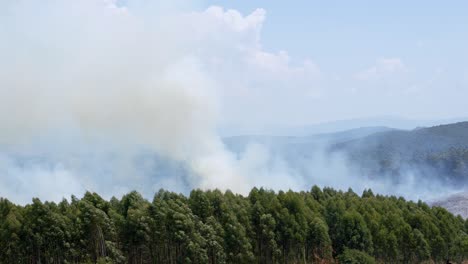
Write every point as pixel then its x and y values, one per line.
pixel 108 82
pixel 89 88
pixel 317 226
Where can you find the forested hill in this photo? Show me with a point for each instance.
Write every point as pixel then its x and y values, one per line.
pixel 439 152
pixel 318 226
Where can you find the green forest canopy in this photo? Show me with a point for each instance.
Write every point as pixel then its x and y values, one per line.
pixel 317 226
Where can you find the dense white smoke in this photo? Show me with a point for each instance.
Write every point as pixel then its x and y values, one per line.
pixel 106 97
pixel 87 85
pixel 109 98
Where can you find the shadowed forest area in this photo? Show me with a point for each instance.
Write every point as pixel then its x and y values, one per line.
pixel 317 226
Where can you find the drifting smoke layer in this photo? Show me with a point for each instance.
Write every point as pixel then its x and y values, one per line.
pixel 298 163
pixel 94 96
pixel 108 98
pixel 87 86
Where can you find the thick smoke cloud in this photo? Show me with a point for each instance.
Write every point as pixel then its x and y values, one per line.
pixel 108 98
pixel 87 86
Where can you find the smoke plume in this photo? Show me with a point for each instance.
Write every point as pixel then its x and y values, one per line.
pixel 99 96
pixel 87 86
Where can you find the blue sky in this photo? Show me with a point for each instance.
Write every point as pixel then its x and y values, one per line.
pixel 342 38
pixel 353 32
pixel 308 62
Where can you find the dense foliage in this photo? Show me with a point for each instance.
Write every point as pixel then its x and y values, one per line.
pixel 319 226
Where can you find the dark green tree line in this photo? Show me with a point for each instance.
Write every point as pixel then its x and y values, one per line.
pixel 316 226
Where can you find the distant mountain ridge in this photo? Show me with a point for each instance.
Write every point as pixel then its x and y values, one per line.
pixel 435 158
pixel 337 126
pixel 439 151
pixel 239 143
pixel 446 135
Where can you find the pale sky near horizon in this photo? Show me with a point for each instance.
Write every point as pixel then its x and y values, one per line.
pixel 374 58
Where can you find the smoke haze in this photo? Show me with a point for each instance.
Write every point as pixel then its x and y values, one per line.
pixel 86 86
pixel 109 98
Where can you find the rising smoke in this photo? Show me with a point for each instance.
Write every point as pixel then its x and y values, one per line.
pixel 96 96
pixel 87 86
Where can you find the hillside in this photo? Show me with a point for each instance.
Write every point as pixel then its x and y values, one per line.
pixel 440 152
pixel 303 143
